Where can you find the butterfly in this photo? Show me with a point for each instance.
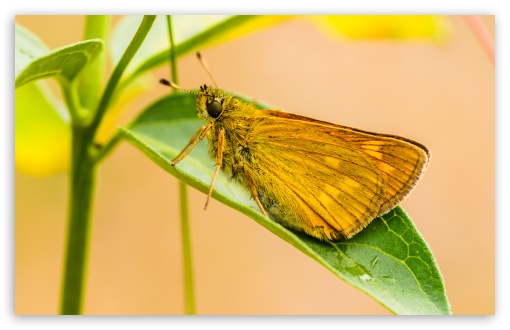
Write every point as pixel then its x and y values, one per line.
pixel 327 180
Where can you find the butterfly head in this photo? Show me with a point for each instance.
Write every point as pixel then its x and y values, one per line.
pixel 211 103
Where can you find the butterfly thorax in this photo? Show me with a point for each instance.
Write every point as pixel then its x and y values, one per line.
pixel 237 119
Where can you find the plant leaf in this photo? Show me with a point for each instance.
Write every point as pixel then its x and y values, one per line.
pixel 65 62
pixel 42 124
pixel 27 48
pixel 191 32
pixel 156 41
pixel 42 133
pixel 389 260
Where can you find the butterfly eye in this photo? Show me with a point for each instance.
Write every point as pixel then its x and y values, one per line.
pixel 214 109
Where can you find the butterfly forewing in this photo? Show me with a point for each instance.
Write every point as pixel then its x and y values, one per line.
pixel 335 180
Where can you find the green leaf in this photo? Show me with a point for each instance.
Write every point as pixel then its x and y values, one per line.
pixel 389 260
pixel 66 62
pixel 27 48
pixel 192 32
pixel 185 26
pixel 42 133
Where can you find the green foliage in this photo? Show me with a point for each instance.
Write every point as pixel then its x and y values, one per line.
pixel 27 48
pixel 191 33
pixel 389 260
pixel 66 62
pixel 41 131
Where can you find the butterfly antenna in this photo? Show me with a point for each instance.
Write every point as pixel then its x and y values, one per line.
pixel 206 68
pixel 174 85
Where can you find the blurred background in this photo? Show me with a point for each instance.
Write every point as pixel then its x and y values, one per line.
pixel 438 93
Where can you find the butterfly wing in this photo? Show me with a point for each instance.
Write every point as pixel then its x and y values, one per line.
pixel 329 180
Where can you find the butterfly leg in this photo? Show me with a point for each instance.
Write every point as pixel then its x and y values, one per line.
pixel 219 162
pixel 247 172
pixel 197 137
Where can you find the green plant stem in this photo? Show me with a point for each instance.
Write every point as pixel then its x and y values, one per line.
pixel 189 291
pixel 102 151
pixel 81 187
pixel 70 93
pixel 91 81
pixel 84 161
pixel 131 50
pixel 173 63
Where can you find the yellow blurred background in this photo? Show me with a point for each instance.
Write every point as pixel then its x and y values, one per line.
pixel 441 95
